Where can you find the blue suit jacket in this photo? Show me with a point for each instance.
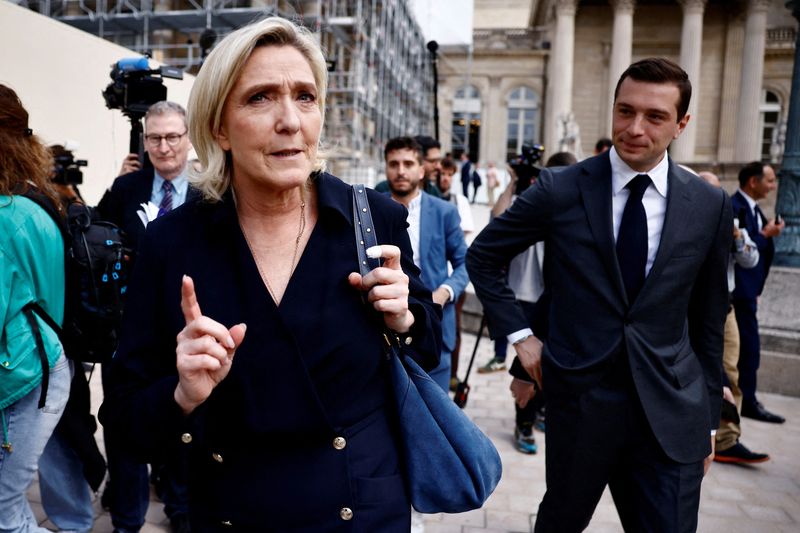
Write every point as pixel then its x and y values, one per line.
pixel 441 240
pixel 750 281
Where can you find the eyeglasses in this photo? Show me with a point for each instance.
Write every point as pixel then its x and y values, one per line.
pixel 172 139
pixel 433 160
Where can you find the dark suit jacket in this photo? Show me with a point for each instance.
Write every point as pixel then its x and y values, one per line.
pixel 750 281
pixel 672 332
pixel 261 451
pixel 121 202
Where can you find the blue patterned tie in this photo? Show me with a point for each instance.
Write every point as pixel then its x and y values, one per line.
pixel 166 201
pixel 632 238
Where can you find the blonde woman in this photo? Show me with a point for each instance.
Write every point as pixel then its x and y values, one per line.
pixel 250 342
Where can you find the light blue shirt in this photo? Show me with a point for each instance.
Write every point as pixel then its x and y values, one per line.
pixel 180 186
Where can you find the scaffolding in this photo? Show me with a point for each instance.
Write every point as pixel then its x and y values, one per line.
pixel 380 76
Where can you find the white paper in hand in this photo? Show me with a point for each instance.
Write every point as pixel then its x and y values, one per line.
pixel 147 212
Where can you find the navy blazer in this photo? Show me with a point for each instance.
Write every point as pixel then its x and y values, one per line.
pixel 441 241
pixel 122 200
pixel 750 281
pixel 264 448
pixel 671 334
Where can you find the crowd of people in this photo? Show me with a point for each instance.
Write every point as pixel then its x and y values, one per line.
pixel 249 372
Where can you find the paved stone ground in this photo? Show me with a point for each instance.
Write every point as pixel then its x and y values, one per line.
pixel 762 498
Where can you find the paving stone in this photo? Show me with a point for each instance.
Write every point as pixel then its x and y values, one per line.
pixel 508 520
pixel 764 513
pixel 470 518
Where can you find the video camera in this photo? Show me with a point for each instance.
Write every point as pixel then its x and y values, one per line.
pixel 67 169
pixel 524 166
pixel 135 86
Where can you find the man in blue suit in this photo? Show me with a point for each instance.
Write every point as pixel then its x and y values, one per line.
pixel 434 228
pixel 756 180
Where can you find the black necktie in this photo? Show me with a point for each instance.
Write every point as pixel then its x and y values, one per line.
pixel 759 219
pixel 632 238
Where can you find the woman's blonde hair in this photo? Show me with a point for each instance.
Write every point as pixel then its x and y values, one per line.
pixel 217 77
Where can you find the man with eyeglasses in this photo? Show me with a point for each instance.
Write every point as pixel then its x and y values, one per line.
pixel 165 185
pixel 134 200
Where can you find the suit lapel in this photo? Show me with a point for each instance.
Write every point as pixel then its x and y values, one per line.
pixel 595 186
pixel 425 216
pixel 679 203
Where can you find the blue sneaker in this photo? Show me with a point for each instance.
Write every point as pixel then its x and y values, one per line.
pixel 524 439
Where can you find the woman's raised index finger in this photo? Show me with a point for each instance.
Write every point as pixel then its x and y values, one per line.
pixel 189 305
pixel 389 253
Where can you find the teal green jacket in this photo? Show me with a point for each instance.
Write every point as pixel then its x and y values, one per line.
pixel 31 270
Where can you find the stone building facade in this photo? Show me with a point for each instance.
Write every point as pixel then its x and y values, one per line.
pixel 544 71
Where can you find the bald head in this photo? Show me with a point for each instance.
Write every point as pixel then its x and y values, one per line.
pixel 710 177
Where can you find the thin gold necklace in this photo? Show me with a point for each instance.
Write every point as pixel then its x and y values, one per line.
pixel 294 255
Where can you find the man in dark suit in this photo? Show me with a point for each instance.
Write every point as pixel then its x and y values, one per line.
pixel 637 255
pixel 133 200
pixel 756 180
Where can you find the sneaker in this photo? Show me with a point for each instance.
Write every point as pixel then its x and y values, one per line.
pixel 494 365
pixel 524 439
pixel 739 454
pixel 539 424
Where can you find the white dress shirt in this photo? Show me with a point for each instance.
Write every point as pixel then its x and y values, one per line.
pixel 654 199
pixel 752 203
pixel 180 186
pixel 414 208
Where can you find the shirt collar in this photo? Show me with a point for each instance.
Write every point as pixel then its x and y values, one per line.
pixel 621 173
pixel 752 203
pixel 180 182
pixel 416 202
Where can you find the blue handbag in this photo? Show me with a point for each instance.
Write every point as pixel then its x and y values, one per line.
pixel 450 465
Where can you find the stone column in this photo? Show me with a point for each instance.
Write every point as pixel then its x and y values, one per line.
pixel 559 86
pixel 621 51
pixel 495 119
pixel 755 36
pixel 787 245
pixel 731 77
pixel 691 47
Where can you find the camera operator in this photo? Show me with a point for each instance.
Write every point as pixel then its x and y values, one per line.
pixel 71 463
pixel 526 278
pixel 133 200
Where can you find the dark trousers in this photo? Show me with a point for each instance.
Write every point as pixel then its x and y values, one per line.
pixel 129 483
pixel 749 348
pixel 599 436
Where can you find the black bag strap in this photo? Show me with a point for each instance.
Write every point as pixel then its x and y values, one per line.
pixel 37 335
pixel 364 229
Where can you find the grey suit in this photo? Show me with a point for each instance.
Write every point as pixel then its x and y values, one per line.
pixel 657 358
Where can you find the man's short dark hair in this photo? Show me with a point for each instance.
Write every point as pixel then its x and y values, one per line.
pixel 427 142
pixel 449 164
pixel 750 170
pixel 561 159
pixel 660 70
pixel 403 143
pixel 602 143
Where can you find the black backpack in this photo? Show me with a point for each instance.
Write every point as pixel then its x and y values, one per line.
pixel 97 266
